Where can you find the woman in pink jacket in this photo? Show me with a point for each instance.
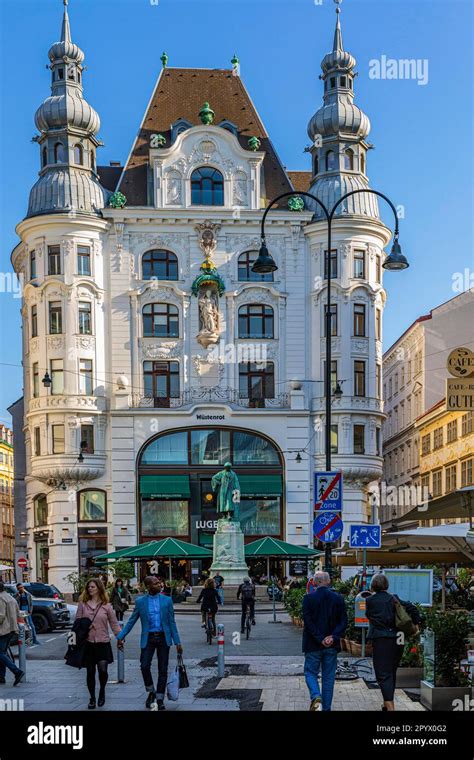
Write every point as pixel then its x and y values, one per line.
pixel 94 604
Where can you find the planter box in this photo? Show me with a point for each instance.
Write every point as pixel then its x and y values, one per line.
pixel 441 698
pixel 356 649
pixel 409 678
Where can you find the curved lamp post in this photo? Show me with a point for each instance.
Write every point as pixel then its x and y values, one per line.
pixel 264 263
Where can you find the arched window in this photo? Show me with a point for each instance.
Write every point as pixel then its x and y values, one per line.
pixel 207 187
pixel 92 506
pixel 160 320
pixel 316 164
pixel 255 321
pixel 245 263
pixel 59 153
pixel 78 154
pixel 92 160
pixel 330 161
pixel 362 163
pixel 349 159
pixel 44 156
pixel 40 510
pixel 160 265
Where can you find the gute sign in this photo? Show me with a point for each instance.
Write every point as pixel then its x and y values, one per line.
pixel 460 391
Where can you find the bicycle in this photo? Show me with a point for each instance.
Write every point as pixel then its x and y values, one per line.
pixel 248 623
pixel 209 627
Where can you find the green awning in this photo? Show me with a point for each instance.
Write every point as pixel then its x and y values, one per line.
pixel 164 486
pixel 273 547
pixel 260 485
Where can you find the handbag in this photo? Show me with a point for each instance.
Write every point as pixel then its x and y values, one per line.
pixel 80 628
pixel 403 621
pixel 183 676
pixel 172 687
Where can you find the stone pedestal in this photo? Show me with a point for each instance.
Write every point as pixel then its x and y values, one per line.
pixel 229 557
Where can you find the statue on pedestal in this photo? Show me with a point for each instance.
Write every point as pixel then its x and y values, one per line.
pixel 228 496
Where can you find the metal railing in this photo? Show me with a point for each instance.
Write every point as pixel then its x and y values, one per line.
pixel 209 396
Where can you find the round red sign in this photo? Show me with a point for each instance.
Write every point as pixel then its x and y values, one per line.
pixel 22 562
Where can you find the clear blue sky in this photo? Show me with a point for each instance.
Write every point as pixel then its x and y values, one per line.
pixel 422 134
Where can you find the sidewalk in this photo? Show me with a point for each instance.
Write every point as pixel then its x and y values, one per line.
pixel 252 684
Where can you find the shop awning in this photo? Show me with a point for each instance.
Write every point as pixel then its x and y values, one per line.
pixel 164 486
pixel 260 485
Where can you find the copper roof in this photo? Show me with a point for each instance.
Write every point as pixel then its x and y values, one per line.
pixel 180 94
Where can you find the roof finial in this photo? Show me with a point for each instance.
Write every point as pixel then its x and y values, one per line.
pixel 65 29
pixel 338 34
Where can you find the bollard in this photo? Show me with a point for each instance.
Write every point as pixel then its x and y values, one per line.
pixel 220 651
pixel 22 650
pixel 120 662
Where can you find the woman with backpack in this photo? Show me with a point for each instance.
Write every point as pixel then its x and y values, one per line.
pixel 390 622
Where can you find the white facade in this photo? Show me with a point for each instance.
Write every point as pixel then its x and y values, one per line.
pixel 102 383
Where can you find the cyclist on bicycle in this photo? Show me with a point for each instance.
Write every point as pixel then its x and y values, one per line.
pixel 209 599
pixel 246 591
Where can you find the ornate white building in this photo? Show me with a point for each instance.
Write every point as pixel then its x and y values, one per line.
pixel 153 353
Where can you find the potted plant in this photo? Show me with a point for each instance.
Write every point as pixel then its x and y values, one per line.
pixel 293 601
pixel 77 581
pixel 410 672
pixel 444 680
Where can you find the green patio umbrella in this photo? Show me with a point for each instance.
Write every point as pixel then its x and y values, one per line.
pixel 273 547
pixel 169 548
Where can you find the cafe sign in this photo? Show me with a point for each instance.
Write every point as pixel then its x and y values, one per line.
pixel 460 391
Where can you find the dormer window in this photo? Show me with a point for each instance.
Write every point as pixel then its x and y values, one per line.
pixel 362 163
pixel 316 164
pixel 78 155
pixel 343 81
pixel 229 125
pixel 59 153
pixel 349 159
pixel 61 73
pixel 92 160
pixel 207 187
pixel 330 161
pixel 44 155
pixel 332 82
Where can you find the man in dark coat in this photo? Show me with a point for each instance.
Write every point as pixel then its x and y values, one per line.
pixel 325 620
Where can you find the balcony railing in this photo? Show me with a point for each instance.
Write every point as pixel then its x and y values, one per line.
pixel 209 396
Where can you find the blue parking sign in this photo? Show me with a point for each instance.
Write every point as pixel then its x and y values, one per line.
pixel 365 536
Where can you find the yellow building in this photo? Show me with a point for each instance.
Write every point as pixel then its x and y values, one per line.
pixel 446 452
pixel 7 531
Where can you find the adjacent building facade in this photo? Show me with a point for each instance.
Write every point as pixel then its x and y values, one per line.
pixel 414 381
pixel 7 530
pixel 153 353
pixel 446 453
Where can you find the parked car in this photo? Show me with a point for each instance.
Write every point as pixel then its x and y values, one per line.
pixel 48 613
pixel 43 590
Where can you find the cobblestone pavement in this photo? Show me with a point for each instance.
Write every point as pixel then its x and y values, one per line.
pixel 251 684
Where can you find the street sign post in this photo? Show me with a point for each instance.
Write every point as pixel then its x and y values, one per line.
pixel 328 491
pixel 22 562
pixel 327 526
pixel 365 536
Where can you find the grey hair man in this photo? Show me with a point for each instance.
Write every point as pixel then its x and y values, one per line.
pixel 325 620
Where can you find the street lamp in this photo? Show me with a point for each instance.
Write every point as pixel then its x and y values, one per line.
pixel 264 263
pixel 46 380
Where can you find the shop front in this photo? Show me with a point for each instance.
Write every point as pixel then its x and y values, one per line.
pixel 175 497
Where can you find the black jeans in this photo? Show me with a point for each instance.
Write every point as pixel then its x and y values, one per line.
pixel 156 643
pixel 119 614
pixel 386 656
pixel 247 603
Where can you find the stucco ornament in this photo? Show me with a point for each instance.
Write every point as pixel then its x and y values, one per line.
pixel 254 143
pixel 296 203
pixel 206 114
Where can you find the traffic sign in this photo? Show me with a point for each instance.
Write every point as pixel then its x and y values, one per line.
pixel 22 562
pixel 365 536
pixel 327 526
pixel 328 491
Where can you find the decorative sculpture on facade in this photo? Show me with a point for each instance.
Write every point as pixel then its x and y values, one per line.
pixel 208 286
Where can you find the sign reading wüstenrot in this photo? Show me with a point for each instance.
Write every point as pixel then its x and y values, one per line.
pixel 328 491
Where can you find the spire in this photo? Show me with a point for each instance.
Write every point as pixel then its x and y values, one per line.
pixel 337 45
pixel 65 28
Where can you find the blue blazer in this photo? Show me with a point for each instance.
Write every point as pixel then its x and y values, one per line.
pixel 167 620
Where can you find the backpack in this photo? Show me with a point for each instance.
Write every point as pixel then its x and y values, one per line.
pixel 403 621
pixel 247 591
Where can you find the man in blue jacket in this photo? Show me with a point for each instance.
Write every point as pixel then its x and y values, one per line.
pixel 325 620
pixel 159 632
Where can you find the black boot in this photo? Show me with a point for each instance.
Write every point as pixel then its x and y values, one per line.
pixel 91 705
pixel 150 699
pixel 161 704
pixel 101 700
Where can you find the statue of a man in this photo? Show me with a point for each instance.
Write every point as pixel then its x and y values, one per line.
pixel 228 496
